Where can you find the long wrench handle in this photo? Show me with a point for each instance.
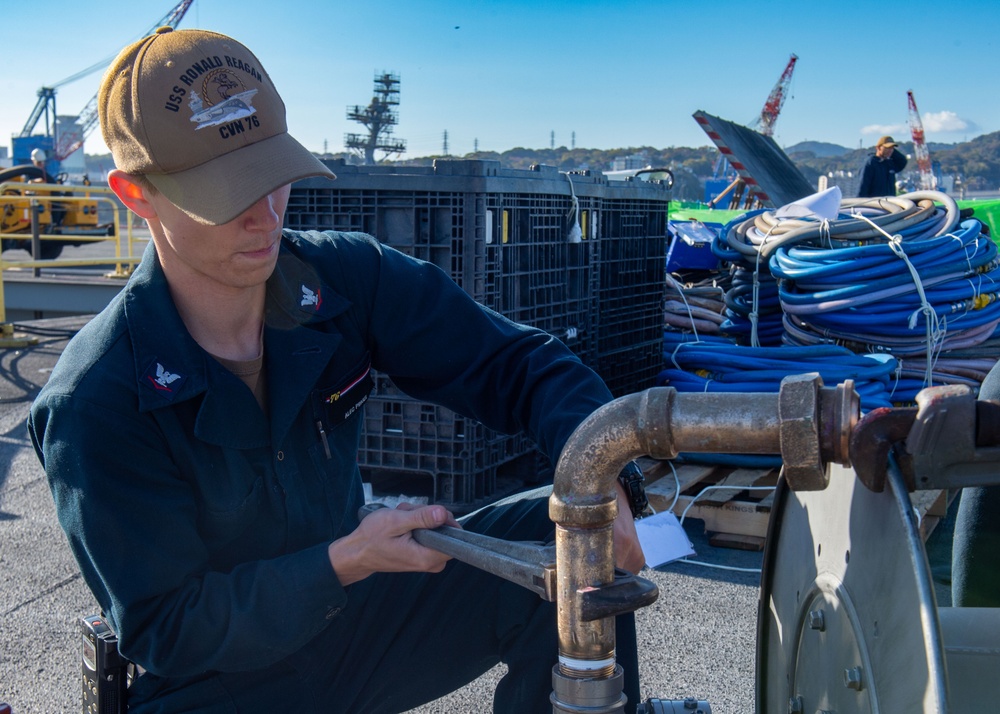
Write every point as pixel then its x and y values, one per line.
pixel 526 564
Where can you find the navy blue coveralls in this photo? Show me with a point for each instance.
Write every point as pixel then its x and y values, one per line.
pixel 878 177
pixel 201 524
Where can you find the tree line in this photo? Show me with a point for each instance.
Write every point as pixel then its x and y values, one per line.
pixel 976 162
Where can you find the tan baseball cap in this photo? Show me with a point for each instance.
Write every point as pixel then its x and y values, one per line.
pixel 195 112
pixel 886 141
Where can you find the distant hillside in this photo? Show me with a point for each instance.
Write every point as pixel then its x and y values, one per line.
pixel 820 149
pixel 976 161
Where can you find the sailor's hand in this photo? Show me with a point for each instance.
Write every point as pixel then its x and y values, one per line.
pixel 383 543
pixel 628 550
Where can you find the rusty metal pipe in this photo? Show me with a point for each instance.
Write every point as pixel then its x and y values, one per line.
pixel 660 422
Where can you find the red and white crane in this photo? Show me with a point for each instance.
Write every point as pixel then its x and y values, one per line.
pixel 763 124
pixel 927 180
pixel 776 99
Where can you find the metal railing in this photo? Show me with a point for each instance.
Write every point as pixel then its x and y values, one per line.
pixel 35 197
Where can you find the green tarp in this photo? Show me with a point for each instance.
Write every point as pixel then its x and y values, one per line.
pixel 988 212
pixel 681 211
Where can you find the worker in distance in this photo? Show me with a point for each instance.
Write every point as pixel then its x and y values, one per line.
pixel 200 434
pixel 878 177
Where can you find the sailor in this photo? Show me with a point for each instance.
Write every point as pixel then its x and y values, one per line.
pixel 200 434
pixel 878 177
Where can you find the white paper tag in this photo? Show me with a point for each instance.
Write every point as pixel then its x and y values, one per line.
pixel 663 539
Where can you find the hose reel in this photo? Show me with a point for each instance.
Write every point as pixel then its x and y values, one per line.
pixel 848 619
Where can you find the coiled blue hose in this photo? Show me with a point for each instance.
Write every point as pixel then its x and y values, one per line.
pixel 816 279
pixel 763 233
pixel 715 367
pixel 702 367
pixel 903 276
pixel 753 308
pixel 907 296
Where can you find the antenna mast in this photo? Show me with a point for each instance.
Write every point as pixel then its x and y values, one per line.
pixel 378 118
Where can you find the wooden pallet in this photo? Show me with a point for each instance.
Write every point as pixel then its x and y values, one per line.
pixel 931 507
pixel 733 516
pixel 736 517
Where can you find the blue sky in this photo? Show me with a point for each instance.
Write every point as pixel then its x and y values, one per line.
pixel 508 73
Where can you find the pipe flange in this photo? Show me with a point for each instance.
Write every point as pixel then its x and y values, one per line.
pixel 840 407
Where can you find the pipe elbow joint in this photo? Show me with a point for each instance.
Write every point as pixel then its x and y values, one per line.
pixel 583 493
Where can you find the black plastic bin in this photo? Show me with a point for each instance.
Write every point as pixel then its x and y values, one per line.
pixel 504 236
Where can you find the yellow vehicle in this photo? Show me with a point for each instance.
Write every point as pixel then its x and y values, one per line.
pixel 62 218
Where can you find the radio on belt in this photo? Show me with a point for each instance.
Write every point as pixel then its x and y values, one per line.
pixel 105 672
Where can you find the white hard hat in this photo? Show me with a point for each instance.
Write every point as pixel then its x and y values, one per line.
pixel 37 155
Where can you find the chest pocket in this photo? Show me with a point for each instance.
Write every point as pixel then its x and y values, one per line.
pixel 337 416
pixel 335 405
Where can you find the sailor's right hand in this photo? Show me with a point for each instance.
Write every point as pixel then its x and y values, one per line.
pixel 383 543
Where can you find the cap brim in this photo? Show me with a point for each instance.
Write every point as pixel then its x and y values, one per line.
pixel 221 189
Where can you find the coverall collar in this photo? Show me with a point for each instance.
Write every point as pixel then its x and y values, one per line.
pixel 172 368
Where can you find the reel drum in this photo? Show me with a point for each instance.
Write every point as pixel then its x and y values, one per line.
pixel 847 620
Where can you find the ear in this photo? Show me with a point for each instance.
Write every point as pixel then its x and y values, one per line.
pixel 131 193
